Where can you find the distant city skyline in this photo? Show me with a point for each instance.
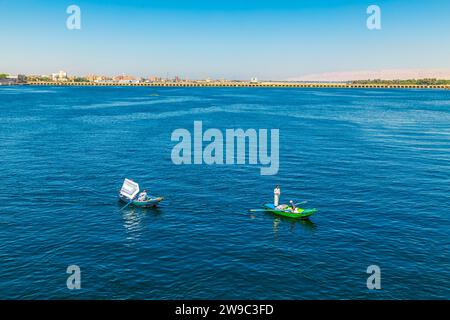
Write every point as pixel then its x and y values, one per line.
pixel 389 74
pixel 283 40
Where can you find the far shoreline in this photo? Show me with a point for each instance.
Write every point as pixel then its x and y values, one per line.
pixel 239 84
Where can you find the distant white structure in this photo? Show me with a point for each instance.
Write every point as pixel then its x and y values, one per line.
pixel 60 76
pixel 128 81
pixel 254 80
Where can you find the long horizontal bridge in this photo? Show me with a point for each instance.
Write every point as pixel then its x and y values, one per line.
pixel 239 84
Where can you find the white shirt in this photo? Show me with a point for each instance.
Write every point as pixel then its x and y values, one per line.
pixel 142 196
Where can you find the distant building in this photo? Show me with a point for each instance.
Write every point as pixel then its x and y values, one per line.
pixel 60 76
pixel 21 78
pixel 91 77
pixel 7 82
pixel 124 78
pixel 153 79
pixel 102 79
pixel 95 78
pixel 12 80
pixel 254 80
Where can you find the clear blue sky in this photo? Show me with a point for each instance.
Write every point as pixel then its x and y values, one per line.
pixel 232 39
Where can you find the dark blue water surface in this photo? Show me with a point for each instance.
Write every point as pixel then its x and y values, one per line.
pixel 376 163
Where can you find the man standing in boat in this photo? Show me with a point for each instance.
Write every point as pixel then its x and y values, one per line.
pixel 276 196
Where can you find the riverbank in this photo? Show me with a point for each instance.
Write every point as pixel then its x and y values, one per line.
pixel 241 84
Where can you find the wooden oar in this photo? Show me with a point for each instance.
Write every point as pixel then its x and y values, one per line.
pixel 126 205
pixel 284 210
pixel 258 210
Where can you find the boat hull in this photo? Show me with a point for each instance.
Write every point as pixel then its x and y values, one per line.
pixel 150 203
pixel 301 214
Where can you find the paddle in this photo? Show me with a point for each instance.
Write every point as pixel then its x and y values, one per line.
pixel 126 205
pixel 262 210
pixel 258 210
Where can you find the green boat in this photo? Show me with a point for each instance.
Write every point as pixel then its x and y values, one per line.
pixel 286 211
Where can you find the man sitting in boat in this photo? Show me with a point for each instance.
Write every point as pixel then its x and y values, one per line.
pixel 293 207
pixel 142 196
pixel 282 207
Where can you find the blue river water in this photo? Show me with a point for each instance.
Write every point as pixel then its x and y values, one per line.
pixel 376 163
